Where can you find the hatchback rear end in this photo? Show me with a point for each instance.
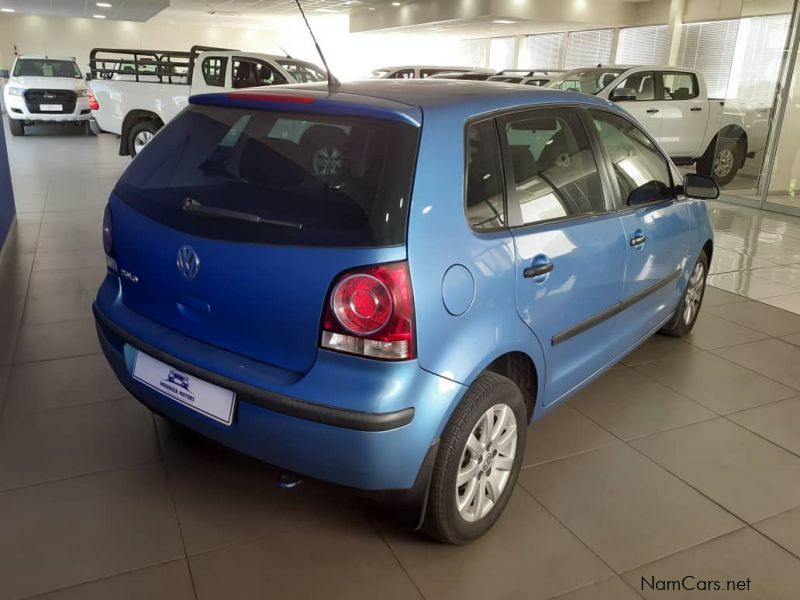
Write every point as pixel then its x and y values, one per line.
pixel 258 289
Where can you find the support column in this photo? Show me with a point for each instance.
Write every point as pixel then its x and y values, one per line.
pixel 677 8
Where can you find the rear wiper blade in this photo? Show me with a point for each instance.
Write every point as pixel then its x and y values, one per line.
pixel 194 207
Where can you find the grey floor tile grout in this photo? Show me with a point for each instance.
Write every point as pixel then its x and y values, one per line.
pixel 9 418
pixel 174 503
pixel 57 480
pixel 378 531
pixel 41 360
pixel 615 576
pixel 104 578
pixel 583 542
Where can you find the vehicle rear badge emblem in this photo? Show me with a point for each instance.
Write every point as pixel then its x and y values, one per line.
pixel 188 262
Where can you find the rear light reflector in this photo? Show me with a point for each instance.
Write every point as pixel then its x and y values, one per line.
pixel 370 312
pixel 93 103
pixel 108 232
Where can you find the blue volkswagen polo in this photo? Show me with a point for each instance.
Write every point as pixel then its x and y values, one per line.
pixel 383 285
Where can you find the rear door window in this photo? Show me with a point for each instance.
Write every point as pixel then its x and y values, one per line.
pixel 214 70
pixel 279 178
pixel 249 73
pixel 551 172
pixel 680 86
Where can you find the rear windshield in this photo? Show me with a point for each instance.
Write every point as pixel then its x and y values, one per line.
pixel 277 178
pixel 44 67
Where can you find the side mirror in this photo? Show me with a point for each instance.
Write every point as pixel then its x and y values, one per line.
pixel 700 187
pixel 652 191
pixel 621 94
pixel 88 76
pixel 4 74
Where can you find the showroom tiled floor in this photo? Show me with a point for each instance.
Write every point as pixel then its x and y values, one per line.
pixel 684 460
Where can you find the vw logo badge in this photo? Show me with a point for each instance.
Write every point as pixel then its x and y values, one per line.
pixel 188 262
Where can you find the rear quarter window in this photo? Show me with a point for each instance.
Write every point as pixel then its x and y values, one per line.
pixel 290 178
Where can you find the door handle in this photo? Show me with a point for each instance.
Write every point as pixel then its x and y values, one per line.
pixel 538 270
pixel 638 240
pixel 651 111
pixel 695 109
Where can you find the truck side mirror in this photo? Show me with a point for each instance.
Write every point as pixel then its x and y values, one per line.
pixel 4 74
pixel 88 76
pixel 700 187
pixel 622 94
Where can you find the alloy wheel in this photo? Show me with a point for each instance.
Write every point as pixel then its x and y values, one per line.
pixel 486 463
pixel 723 163
pixel 694 293
pixel 141 140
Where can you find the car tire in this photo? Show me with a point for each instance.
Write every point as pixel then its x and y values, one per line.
pixel 87 128
pixel 16 127
pixel 721 160
pixel 686 314
pixel 458 514
pixel 140 135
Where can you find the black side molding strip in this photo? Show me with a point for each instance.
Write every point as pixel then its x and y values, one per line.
pixel 606 314
pixel 293 407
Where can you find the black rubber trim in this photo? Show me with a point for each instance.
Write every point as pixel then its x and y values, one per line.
pixel 293 407
pixel 606 314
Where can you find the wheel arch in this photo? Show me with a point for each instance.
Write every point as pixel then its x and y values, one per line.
pixel 131 119
pixel 738 135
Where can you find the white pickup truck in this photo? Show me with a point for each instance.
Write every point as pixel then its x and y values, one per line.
pixel 138 91
pixel 45 89
pixel 673 105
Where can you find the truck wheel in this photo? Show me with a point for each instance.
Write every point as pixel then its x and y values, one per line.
pixel 721 161
pixel 691 301
pixel 16 127
pixel 140 135
pixel 479 459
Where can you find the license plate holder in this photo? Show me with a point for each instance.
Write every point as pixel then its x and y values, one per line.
pixel 206 398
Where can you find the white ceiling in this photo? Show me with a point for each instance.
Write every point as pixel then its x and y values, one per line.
pixel 262 8
pixel 121 10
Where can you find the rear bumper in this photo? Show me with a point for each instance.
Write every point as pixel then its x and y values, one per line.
pixel 307 423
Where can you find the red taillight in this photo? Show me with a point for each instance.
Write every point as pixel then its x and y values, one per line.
pixel 93 103
pixel 370 312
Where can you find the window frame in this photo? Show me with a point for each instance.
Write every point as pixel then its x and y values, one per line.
pixel 465 174
pixel 223 68
pixel 513 210
pixel 620 206
pixel 276 70
pixel 663 88
pixel 658 88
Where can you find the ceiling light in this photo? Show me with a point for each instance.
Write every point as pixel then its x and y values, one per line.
pixel 503 22
pixel 395 4
pixel 372 8
pixel 8 10
pixel 98 16
pixel 102 5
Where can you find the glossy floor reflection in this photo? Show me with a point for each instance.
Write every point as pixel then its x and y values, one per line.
pixel 685 459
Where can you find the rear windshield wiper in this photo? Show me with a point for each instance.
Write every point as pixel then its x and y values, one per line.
pixel 194 207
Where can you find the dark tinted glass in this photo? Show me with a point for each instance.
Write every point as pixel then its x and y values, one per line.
pixel 484 185
pixel 552 168
pixel 638 164
pixel 330 181
pixel 214 70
